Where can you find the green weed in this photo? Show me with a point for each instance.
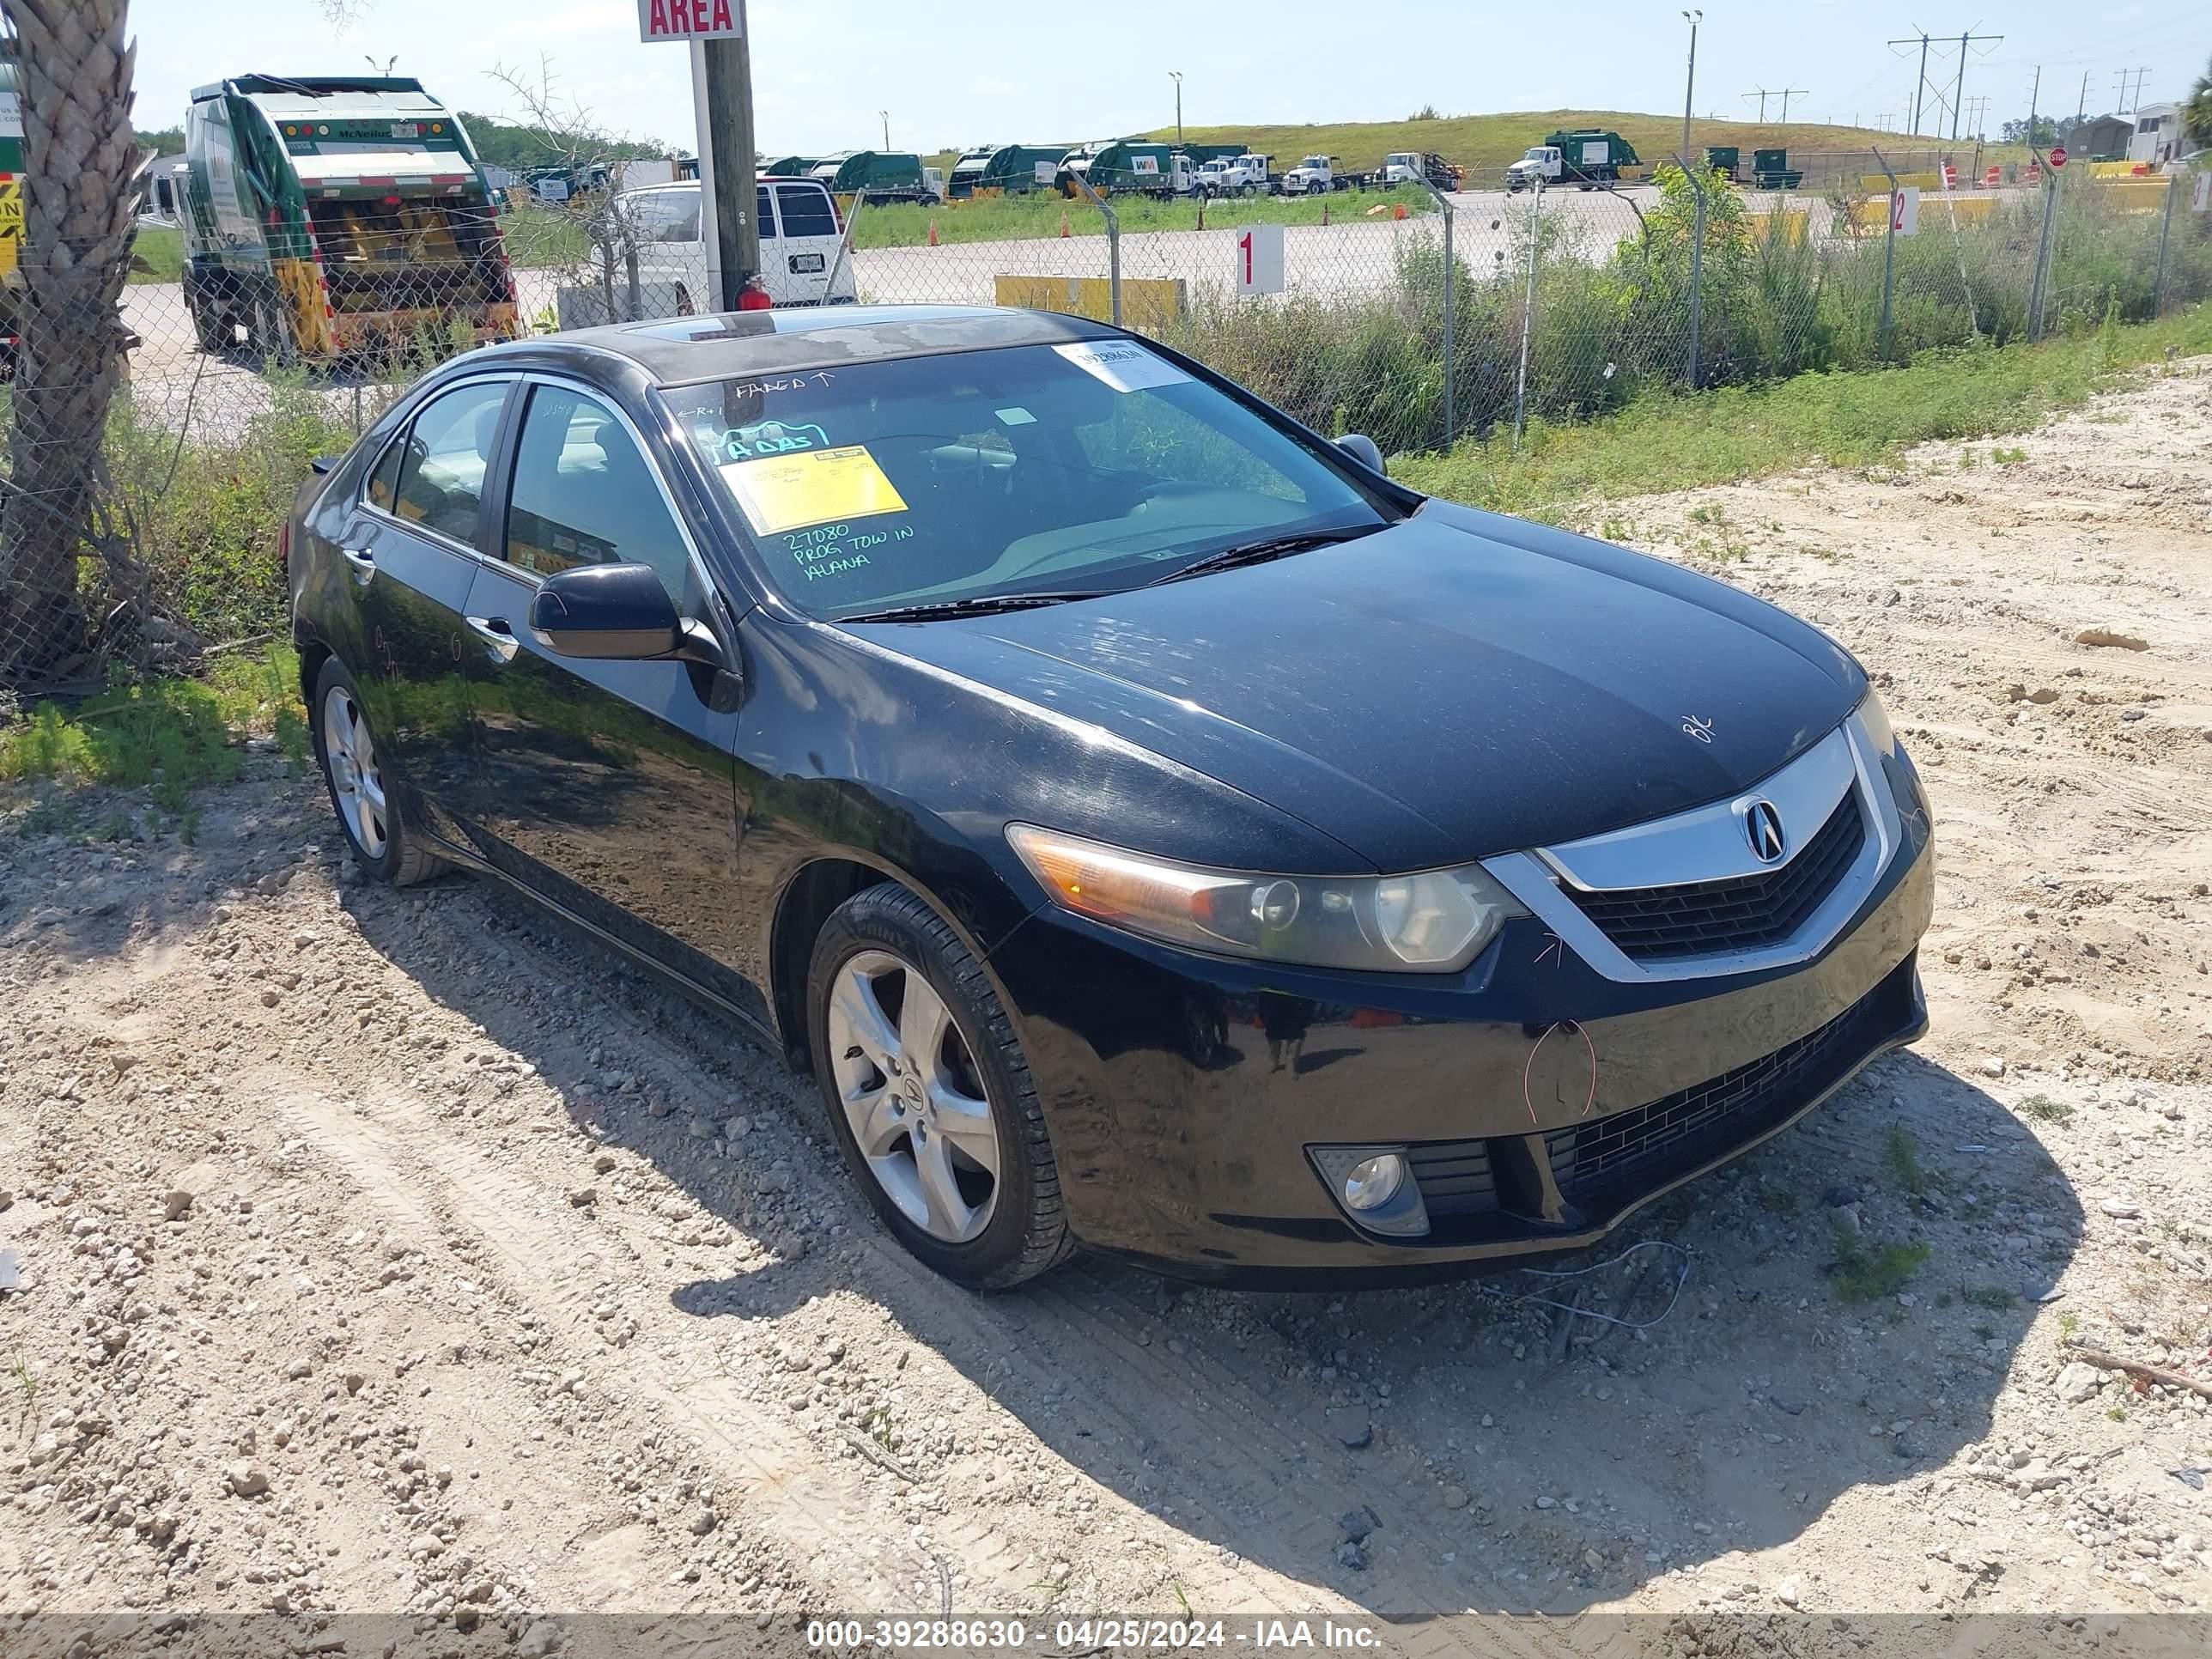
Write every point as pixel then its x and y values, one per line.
pixel 167 735
pixel 2042 1109
pixel 1902 1154
pixel 1995 1298
pixel 1861 1277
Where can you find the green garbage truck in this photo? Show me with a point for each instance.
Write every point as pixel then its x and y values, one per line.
pixel 1005 170
pixel 876 176
pixel 1586 158
pixel 327 216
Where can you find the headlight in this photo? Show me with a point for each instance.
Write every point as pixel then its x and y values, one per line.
pixel 1434 921
pixel 1875 719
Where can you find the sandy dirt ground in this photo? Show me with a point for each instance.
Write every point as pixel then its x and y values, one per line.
pixel 401 1252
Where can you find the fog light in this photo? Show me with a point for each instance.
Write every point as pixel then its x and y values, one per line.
pixel 1374 1182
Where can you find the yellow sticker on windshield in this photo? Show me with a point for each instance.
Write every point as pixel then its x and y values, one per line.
pixel 789 492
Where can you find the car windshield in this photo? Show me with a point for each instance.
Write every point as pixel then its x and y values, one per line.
pixel 1040 470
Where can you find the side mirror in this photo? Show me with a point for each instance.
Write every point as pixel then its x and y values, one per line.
pixel 608 611
pixel 1361 449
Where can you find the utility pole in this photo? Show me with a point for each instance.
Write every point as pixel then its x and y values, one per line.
pixel 2034 91
pixel 1175 75
pixel 1966 41
pixel 2082 104
pixel 724 72
pixel 885 115
pixel 1787 93
pixel 1919 81
pixel 1690 85
pixel 1761 95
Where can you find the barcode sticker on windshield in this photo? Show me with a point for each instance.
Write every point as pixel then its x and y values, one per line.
pixel 1125 368
pixel 789 492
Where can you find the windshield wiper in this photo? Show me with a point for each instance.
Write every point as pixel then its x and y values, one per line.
pixel 1260 551
pixel 975 604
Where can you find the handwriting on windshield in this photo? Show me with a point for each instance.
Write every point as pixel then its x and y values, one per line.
pixel 836 549
pixel 820 377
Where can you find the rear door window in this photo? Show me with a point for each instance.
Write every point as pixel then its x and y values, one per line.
pixel 765 214
pixel 448 451
pixel 806 210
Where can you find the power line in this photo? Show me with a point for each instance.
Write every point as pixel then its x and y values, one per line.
pixel 1921 86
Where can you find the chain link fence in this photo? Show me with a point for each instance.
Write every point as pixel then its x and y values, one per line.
pixel 1416 317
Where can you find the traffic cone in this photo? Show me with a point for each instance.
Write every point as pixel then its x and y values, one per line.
pixel 932 233
pixel 1399 211
pixel 1063 222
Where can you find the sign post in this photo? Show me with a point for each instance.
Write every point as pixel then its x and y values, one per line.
pixel 1259 254
pixel 722 105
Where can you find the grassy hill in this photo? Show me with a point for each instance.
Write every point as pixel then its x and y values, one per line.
pixel 1487 142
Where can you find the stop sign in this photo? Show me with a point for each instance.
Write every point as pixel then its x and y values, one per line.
pixel 2058 155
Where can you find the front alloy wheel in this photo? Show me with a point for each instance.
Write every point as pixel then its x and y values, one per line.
pixel 929 1094
pixel 912 1098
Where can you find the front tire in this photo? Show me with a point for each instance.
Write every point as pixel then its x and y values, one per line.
pixel 929 1095
pixel 364 796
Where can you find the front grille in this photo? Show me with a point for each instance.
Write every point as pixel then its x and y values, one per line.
pixel 1741 912
pixel 1687 1128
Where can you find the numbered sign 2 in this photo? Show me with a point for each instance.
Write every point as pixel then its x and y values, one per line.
pixel 1259 250
pixel 1904 210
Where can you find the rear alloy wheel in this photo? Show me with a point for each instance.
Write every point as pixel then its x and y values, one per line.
pixel 361 795
pixel 928 1094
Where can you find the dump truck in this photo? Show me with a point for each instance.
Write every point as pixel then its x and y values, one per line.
pixel 1407 166
pixel 1314 175
pixel 330 215
pixel 1005 170
pixel 1586 159
pixel 874 176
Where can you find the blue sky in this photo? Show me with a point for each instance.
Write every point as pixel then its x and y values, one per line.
pixel 1004 70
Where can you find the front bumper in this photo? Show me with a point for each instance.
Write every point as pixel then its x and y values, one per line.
pixel 1540 1101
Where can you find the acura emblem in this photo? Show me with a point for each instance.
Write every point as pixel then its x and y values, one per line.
pixel 1762 823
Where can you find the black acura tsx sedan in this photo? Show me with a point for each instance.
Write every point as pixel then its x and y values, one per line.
pixel 1156 831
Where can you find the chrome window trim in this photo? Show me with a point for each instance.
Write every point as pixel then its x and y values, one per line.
pixel 1537 877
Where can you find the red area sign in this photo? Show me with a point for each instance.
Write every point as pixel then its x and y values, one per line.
pixel 688 20
pixel 2058 155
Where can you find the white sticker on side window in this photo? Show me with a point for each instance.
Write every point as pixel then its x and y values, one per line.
pixel 1126 367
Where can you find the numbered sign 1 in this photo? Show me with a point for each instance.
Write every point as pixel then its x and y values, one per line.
pixel 1904 210
pixel 1259 260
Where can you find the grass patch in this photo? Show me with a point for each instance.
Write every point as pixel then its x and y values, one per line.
pixel 168 735
pixel 1902 1154
pixel 1667 441
pixel 1995 1298
pixel 157 255
pixel 1864 1277
pixel 2042 1109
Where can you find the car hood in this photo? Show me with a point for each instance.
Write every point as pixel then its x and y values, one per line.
pixel 1457 685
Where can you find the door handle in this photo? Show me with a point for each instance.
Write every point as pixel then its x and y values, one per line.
pixel 497 637
pixel 363 561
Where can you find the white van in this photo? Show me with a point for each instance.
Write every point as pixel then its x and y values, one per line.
pixel 799 238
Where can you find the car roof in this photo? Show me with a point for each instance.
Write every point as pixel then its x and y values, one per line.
pixel 730 345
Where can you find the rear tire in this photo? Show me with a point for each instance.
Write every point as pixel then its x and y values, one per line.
pixel 369 803
pixel 885 1065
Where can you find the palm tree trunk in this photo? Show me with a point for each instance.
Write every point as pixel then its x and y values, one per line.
pixel 80 159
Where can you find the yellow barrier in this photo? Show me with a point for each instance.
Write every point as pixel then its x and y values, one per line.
pixel 1146 301
pixel 1779 224
pixel 2134 195
pixel 2118 169
pixel 1875 185
pixel 1935 210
